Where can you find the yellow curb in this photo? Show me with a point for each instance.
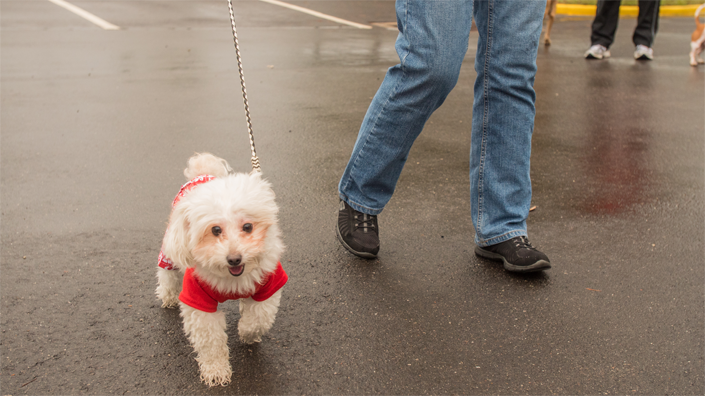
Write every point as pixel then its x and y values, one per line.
pixel 626 11
pixel 686 10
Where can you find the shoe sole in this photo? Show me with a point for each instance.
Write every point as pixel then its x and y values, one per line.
pixel 351 250
pixel 598 57
pixel 535 267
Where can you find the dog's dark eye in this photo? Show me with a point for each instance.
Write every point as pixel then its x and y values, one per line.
pixel 247 227
pixel 216 231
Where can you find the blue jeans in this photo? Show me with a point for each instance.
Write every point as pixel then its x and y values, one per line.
pixel 432 42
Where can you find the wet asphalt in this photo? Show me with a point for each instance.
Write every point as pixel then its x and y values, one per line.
pixel 97 126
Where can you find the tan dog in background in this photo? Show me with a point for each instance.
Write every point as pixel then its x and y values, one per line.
pixel 697 40
pixel 551 14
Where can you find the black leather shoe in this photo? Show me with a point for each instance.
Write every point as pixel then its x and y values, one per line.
pixel 357 231
pixel 517 254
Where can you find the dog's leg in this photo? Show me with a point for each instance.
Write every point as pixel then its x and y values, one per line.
pixel 551 14
pixel 256 318
pixel 206 332
pixel 168 287
pixel 694 53
pixel 696 47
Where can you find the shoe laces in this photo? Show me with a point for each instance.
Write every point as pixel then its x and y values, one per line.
pixel 367 221
pixel 522 242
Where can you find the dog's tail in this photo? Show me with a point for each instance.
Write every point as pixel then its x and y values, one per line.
pixel 206 164
pixel 697 16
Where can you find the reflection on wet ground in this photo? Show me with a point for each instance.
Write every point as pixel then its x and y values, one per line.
pixel 616 149
pixel 615 137
pixel 358 49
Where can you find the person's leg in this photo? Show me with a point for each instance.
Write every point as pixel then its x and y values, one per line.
pixel 503 117
pixel 503 122
pixel 432 42
pixel 604 26
pixel 647 22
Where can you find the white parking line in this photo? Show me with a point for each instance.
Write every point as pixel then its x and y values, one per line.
pixel 86 15
pixel 317 14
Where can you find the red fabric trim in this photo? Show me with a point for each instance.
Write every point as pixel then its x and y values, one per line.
pixel 195 295
pixel 274 281
pixel 198 180
pixel 164 262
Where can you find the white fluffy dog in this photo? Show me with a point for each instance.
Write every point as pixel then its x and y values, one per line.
pixel 224 241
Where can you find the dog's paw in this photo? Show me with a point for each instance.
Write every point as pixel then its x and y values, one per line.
pixel 169 298
pixel 250 338
pixel 250 330
pixel 170 304
pixel 216 374
pixel 250 334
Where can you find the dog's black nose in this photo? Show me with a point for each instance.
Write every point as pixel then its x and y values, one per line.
pixel 234 260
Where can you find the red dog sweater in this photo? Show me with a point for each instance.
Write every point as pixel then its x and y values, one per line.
pixel 201 296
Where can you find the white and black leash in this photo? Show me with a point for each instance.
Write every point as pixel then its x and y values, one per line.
pixel 254 160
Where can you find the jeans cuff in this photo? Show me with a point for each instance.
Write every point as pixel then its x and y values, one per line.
pixel 499 239
pixel 360 208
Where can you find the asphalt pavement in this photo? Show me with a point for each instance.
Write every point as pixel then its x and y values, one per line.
pixel 97 125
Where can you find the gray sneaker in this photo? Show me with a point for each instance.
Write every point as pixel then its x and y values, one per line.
pixel 643 52
pixel 517 254
pixel 597 51
pixel 358 232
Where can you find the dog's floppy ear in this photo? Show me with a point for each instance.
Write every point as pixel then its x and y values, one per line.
pixel 176 239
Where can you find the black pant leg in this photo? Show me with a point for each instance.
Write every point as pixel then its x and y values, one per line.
pixel 647 22
pixel 605 24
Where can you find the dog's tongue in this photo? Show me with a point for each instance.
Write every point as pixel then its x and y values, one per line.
pixel 237 270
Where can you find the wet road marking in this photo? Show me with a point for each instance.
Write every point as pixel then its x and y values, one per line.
pixel 85 15
pixel 316 14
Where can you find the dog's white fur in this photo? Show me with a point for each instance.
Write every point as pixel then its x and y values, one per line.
pixel 697 40
pixel 229 201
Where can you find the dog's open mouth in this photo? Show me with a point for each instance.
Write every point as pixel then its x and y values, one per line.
pixel 237 270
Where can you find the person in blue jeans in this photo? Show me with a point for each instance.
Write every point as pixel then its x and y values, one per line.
pixel 432 42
